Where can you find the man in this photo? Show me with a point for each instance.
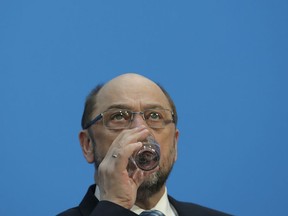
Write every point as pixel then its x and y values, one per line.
pixel 117 116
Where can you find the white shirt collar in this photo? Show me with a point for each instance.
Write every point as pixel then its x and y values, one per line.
pixel 163 204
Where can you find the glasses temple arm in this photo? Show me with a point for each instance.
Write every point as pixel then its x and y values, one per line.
pixel 97 118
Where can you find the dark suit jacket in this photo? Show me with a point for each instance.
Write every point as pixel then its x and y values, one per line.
pixel 91 206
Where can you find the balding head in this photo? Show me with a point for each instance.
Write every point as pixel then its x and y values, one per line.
pixel 127 83
pixel 130 86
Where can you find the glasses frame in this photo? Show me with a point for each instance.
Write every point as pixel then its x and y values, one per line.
pixel 101 115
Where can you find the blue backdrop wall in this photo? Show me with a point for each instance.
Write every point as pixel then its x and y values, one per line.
pixel 225 63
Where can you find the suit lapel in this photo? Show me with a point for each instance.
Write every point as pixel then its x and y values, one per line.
pixel 89 202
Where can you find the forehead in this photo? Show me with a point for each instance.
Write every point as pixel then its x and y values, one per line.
pixel 133 92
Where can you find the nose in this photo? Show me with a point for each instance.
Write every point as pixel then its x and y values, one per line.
pixel 138 120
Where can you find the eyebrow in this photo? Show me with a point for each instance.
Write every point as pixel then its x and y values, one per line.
pixel 125 106
pixel 119 106
pixel 154 106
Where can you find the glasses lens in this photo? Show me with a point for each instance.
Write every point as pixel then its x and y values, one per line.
pixel 117 119
pixel 120 119
pixel 157 118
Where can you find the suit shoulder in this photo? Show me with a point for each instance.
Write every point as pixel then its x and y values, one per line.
pixel 187 208
pixel 71 212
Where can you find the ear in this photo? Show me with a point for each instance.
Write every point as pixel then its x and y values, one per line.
pixel 176 136
pixel 86 146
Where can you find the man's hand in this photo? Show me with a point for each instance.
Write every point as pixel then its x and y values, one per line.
pixel 112 178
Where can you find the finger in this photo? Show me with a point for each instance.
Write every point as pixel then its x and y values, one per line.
pixel 130 136
pixel 138 177
pixel 126 137
pixel 122 156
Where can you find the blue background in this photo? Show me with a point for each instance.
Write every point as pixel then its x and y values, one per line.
pixel 224 62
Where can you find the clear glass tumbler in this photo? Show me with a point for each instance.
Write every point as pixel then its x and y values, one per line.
pixel 147 157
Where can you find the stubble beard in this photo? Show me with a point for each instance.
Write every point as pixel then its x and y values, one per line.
pixel 153 184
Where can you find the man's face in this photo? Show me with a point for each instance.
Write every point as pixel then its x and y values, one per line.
pixel 135 93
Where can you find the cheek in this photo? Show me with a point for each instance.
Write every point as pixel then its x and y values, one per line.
pixel 103 141
pixel 167 148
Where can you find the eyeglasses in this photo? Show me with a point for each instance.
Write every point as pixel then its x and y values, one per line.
pixel 121 119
